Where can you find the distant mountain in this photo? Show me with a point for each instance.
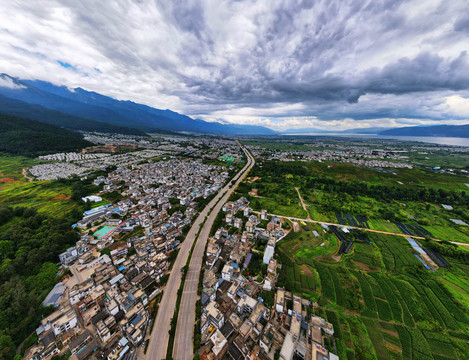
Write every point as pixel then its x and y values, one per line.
pixel 93 106
pixel 305 131
pixel 370 130
pixel 28 137
pixel 436 131
pixel 53 117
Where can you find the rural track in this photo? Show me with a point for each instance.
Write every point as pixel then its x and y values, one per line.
pixel 359 228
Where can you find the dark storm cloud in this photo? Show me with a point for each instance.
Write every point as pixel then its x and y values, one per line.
pixel 221 59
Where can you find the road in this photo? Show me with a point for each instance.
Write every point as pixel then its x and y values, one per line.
pixel 359 228
pixel 184 337
pixel 160 335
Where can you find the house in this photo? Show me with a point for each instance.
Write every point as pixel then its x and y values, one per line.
pixel 214 316
pixel 219 341
pixel 279 305
pixel 238 223
pixel 269 282
pixel 263 214
pixel 246 305
pixel 288 347
pixel 269 251
pixel 55 295
pixel 227 272
pixel 60 321
pixel 250 227
pixel 68 256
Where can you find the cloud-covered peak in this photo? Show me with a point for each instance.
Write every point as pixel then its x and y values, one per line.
pixel 265 62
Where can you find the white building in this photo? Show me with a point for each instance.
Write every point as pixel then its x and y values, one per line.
pixel 269 251
pixel 227 272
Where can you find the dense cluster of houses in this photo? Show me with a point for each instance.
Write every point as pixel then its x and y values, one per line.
pixel 345 151
pixel 122 259
pixel 236 323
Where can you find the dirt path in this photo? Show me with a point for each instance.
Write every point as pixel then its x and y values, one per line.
pixel 302 201
pixel 307 270
pixel 359 228
pixel 25 174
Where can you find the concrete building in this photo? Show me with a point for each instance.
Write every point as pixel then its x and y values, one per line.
pixel 269 251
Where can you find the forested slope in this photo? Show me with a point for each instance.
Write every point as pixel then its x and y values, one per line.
pixel 27 137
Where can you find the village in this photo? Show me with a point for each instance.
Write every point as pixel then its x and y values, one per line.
pixel 118 269
pixel 122 260
pixel 243 313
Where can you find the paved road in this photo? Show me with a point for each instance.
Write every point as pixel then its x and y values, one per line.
pixel 359 228
pixel 160 334
pixel 184 338
pixel 76 274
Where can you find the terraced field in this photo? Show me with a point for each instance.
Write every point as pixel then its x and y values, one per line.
pixel 382 302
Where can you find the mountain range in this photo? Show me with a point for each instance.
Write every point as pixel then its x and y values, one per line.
pixel 79 109
pixel 434 131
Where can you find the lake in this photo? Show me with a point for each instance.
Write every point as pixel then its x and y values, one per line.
pixel 452 141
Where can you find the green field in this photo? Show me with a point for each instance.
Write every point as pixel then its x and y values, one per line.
pixel 48 197
pixel 379 295
pixel 377 196
pixel 278 145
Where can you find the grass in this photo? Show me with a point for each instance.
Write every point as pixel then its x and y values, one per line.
pixel 277 145
pixel 48 197
pixel 11 166
pixel 383 225
pixel 447 233
pixel 272 206
pixel 99 203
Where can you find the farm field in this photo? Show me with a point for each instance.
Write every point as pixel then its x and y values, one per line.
pixel 381 294
pixel 48 197
pixel 412 197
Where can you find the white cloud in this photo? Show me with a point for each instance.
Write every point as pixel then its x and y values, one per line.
pixel 275 63
pixel 9 83
pixel 457 105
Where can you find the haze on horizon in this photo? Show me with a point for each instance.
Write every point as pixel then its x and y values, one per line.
pixel 280 64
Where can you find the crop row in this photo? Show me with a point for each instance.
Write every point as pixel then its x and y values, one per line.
pixel 420 348
pixel 384 310
pixel 367 292
pixel 442 311
pixel 410 296
pixel 447 300
pixel 327 286
pixel 406 341
pixel 339 293
pixel 391 339
pixel 393 302
pixel 408 319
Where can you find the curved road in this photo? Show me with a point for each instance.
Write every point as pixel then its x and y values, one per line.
pixel 160 334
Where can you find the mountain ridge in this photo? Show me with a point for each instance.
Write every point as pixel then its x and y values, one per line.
pixel 461 131
pixel 97 107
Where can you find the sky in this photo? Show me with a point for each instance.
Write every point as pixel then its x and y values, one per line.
pixel 281 64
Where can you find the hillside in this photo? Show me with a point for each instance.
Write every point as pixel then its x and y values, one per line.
pixel 39 113
pixel 437 131
pixel 28 137
pixel 93 106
